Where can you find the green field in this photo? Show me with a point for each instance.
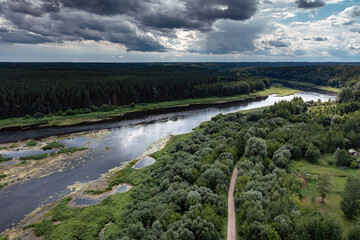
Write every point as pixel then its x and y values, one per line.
pixel 332 201
pixel 309 85
pixel 98 116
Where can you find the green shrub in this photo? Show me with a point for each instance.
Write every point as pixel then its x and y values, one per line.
pixel 31 143
pixel 3 176
pixel 354 232
pixel 3 159
pixel 38 115
pixel 343 157
pixel 312 154
pixel 71 150
pixel 34 157
pixel 53 145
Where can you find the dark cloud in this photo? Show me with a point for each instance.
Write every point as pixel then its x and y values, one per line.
pixel 232 37
pixel 24 7
pixel 172 21
pixel 221 9
pixel 276 43
pixel 104 7
pixel 50 6
pixel 198 14
pixel 320 39
pixel 136 24
pixel 306 39
pixel 22 37
pixel 3 30
pixel 310 3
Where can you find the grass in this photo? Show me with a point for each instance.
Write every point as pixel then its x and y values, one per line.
pixel 71 150
pixel 31 143
pixel 53 145
pixel 34 157
pixel 127 175
pixel 311 85
pixel 3 185
pixel 98 116
pixel 332 201
pixel 77 219
pixel 3 159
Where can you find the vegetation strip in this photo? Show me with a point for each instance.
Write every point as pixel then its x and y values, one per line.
pixel 137 109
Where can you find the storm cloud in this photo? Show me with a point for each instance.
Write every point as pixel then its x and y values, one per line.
pixel 138 25
pixel 307 4
pixel 276 43
pixel 320 39
pixel 230 37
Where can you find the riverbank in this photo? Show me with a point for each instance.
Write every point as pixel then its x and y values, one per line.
pixel 84 191
pixel 123 112
pixel 27 166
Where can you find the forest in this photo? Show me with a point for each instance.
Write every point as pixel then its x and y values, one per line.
pixel 184 194
pixel 35 90
pixel 329 75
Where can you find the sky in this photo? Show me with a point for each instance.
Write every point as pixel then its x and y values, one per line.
pixel 179 30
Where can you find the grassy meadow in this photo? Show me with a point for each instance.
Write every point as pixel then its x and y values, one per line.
pixel 311 197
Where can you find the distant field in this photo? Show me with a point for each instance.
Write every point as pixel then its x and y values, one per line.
pixel 311 85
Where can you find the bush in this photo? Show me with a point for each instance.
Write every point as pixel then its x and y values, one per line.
pixel 70 150
pixel 70 112
pixel 3 159
pixel 38 115
pixel 34 157
pixel 354 232
pixel 342 157
pixel 105 108
pixel 53 145
pixel 296 153
pixel 31 143
pixel 312 154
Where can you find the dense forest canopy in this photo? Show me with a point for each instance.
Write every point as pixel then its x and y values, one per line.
pixel 51 88
pixel 336 76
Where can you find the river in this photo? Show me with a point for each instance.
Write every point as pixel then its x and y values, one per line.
pixel 122 142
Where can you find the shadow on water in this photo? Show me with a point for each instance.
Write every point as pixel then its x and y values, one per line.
pixel 127 140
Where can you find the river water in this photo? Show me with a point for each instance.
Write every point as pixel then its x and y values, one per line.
pixel 122 142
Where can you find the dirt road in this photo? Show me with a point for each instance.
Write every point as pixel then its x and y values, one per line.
pixel 231 227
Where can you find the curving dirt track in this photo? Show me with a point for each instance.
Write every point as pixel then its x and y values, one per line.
pixel 231 227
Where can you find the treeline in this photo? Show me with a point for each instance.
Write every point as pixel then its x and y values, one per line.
pixel 26 89
pixel 335 76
